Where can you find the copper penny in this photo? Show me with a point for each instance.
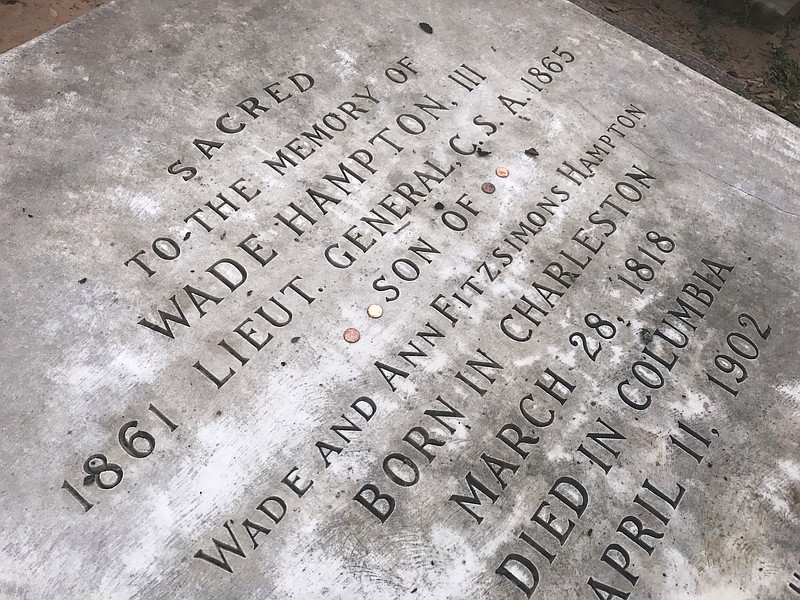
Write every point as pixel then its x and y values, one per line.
pixel 501 172
pixel 351 335
pixel 375 311
pixel 488 188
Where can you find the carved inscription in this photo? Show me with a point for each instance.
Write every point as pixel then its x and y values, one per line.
pixel 516 329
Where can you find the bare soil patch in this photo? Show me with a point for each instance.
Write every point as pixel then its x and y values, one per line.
pixel 22 20
pixel 768 63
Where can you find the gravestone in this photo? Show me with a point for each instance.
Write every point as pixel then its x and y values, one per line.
pixel 358 300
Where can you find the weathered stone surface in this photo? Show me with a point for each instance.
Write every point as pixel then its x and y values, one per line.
pixel 774 14
pixel 95 113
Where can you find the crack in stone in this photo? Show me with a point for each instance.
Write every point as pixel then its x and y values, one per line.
pixel 655 158
pixel 722 181
pixel 746 193
pixel 591 114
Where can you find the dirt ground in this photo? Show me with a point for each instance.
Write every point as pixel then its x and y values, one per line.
pixel 769 64
pixel 21 20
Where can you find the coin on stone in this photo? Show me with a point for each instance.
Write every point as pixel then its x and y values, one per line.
pixel 501 172
pixel 351 335
pixel 488 188
pixel 375 311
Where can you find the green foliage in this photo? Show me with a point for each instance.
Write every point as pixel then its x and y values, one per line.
pixel 785 73
pixel 783 96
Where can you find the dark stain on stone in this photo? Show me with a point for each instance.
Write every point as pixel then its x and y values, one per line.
pixel 482 152
pixel 426 28
pixel 438 206
pixel 531 152
pixel 82 281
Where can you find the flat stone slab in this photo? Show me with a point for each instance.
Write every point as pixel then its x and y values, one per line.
pixel 365 300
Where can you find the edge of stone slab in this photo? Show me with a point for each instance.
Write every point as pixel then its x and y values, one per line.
pixel 696 64
pixel 45 35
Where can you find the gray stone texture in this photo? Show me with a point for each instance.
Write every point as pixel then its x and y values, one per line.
pixel 94 112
